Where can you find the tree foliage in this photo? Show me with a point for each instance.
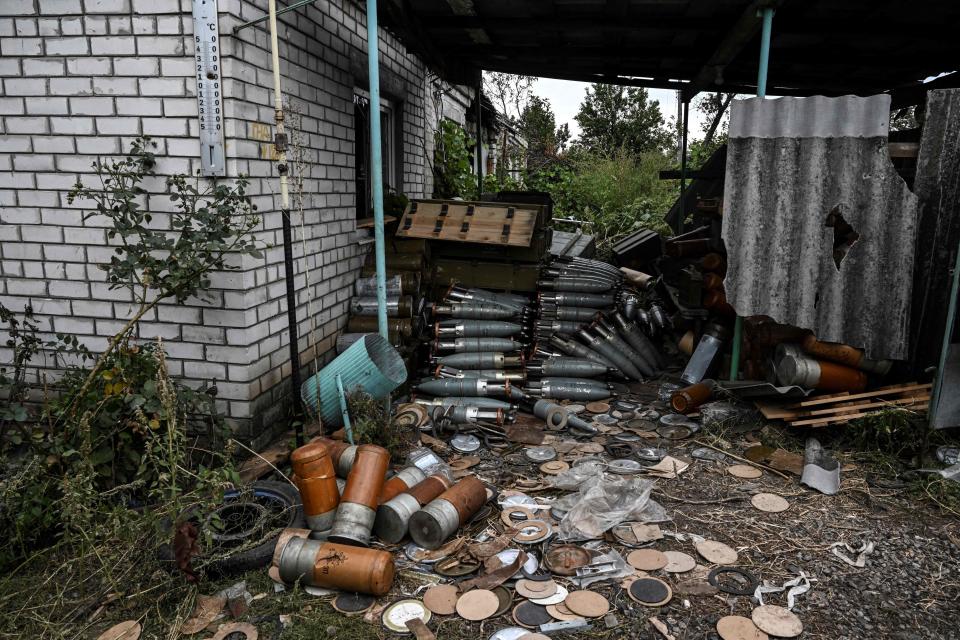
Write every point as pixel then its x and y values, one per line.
pixel 538 127
pixel 613 117
pixel 452 173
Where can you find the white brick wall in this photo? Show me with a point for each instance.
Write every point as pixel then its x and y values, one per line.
pixel 82 78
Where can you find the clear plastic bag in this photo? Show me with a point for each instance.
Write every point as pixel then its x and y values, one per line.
pixel 428 462
pixel 605 501
pixel 728 414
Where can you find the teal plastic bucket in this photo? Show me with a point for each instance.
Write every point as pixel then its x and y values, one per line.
pixel 370 364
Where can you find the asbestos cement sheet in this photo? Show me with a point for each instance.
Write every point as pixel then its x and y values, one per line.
pixel 818 226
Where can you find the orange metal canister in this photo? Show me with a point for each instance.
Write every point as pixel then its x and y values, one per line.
pixel 393 516
pixel 429 489
pixel 687 399
pixel 317 482
pixel 836 377
pixel 353 569
pixel 440 519
pixel 406 478
pixel 361 496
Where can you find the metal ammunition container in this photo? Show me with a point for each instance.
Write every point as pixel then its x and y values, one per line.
pixel 342 454
pixel 464 387
pixel 393 516
pixel 490 375
pixel 820 374
pixel 567 327
pixel 551 412
pixel 317 482
pixel 507 299
pixel 405 478
pixel 567 299
pixel 396 327
pixel 476 311
pixel 360 499
pixel 629 305
pixel 336 566
pixel 441 518
pixel 610 353
pixel 480 360
pixel 845 354
pixel 487 403
pixel 471 345
pixel 567 367
pixel 476 329
pixel 644 365
pixel 397 307
pixel 636 338
pixel 576 349
pixel 472 415
pixel 367 287
pixel 555 312
pixel 689 398
pixel 574 284
pixel 571 389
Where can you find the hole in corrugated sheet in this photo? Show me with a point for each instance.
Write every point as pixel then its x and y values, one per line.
pixel 844 235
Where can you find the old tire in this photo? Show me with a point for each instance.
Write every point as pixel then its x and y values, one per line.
pixel 244 527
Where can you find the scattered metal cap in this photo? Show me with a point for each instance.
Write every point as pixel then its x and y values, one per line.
pixel 626 437
pixel 554 467
pixel 531 615
pixel 560 612
pixel 395 616
pixel 679 562
pixel 650 454
pixel 565 559
pixel 352 603
pixel 598 407
pixel 478 604
pixel 717 552
pixel 625 405
pixel 465 443
pixel 575 408
pixel 675 431
pixel 533 531
pixel 531 564
pixel 625 466
pixel 509 633
pixel 777 621
pixel 733 581
pixel 419 554
pixel 650 592
pixel 536 588
pixel 453 567
pixel 744 471
pixel 442 599
pixel 769 502
pixel 506 601
pixel 739 628
pixel 588 604
pixel 540 454
pixel 556 598
pixel 648 559
pixel 605 418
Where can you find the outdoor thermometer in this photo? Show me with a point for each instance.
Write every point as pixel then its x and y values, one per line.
pixel 209 87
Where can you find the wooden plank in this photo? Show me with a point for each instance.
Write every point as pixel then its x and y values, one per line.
pixel 485 225
pixel 865 405
pixel 886 391
pixel 922 405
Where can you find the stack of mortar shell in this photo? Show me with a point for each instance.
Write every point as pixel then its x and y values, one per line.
pixel 477 359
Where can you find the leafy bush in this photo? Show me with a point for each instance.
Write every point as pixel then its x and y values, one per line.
pixel 452 175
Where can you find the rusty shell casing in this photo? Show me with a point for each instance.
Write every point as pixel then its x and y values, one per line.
pixel 286 536
pixel 687 399
pixel 317 484
pixel 336 566
pixel 771 334
pixel 441 518
pixel 361 497
pixel 715 263
pixel 406 478
pixel 844 354
pixel 638 278
pixel 716 300
pixel 819 374
pixel 337 449
pixel 402 327
pixel 712 281
pixel 393 516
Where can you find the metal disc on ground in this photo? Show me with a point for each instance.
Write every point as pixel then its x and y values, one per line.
pixel 560 612
pixel 739 628
pixel 648 559
pixel 744 471
pixel 531 615
pixel 605 418
pixel 505 599
pixel 536 588
pixel 534 636
pixel 554 467
pixel 236 631
pixel 533 531
pixel 454 567
pixel 395 616
pixel 352 603
pixel 590 447
pixel 575 408
pixel 588 604
pixel 717 552
pixel 478 604
pixel 514 516
pixel 598 407
pixel 509 633
pixel 675 431
pixel 777 621
pixel 679 562
pixel 650 592
pixel 464 463
pixel 624 466
pixel 565 559
pixel 769 502
pixel 464 443
pixel 540 454
pixel 556 598
pixel 442 599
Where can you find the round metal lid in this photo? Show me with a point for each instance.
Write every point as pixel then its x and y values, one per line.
pixel 533 531
pixel 509 633
pixel 673 418
pixel 506 600
pixel 575 408
pixel 598 407
pixel 588 604
pixel 626 437
pixel 441 599
pixel 531 615
pixel 478 604
pixel 395 616
pixel 625 405
pixel 625 466
pixel 650 454
pixel 518 500
pixel 454 567
pixel 418 554
pixel 540 454
pixel 650 592
pixel 352 602
pixel 674 431
pixel 565 559
pixel 556 598
pixel 531 564
pixel 641 424
pixel 777 621
pixel 605 418
pixel 465 443
pixel 554 467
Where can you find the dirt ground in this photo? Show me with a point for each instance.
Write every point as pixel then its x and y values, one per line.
pixel 909 587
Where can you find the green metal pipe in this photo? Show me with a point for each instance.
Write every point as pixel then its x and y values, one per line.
pixel 683 165
pixel 376 163
pixel 945 345
pixel 767 27
pixel 343 409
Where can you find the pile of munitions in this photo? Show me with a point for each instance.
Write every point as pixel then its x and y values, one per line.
pixel 350 496
pixel 496 353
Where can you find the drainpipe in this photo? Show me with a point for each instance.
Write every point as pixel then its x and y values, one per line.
pixel 944 350
pixel 683 165
pixel 767 16
pixel 479 136
pixel 376 164
pixel 280 146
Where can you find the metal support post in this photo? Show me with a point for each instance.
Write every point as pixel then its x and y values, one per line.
pixel 480 136
pixel 683 165
pixel 280 146
pixel 767 27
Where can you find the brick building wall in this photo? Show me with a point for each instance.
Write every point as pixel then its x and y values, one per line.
pixel 82 78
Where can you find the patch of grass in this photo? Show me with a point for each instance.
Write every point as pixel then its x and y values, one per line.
pixel 945 494
pixel 371 425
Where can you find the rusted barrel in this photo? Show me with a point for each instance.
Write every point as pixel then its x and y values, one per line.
pixel 440 519
pixel 318 484
pixel 335 566
pixel 361 497
pixel 393 516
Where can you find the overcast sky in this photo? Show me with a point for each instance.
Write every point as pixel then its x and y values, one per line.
pixel 565 97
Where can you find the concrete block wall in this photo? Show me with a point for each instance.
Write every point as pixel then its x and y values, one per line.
pixel 82 78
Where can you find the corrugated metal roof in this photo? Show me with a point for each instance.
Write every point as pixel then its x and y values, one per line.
pixel 779 190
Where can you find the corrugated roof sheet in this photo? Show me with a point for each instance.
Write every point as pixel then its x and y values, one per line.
pixel 790 163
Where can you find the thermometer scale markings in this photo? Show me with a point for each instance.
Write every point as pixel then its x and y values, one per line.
pixel 209 100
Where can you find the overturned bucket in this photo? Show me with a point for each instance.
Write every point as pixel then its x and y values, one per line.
pixel 370 363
